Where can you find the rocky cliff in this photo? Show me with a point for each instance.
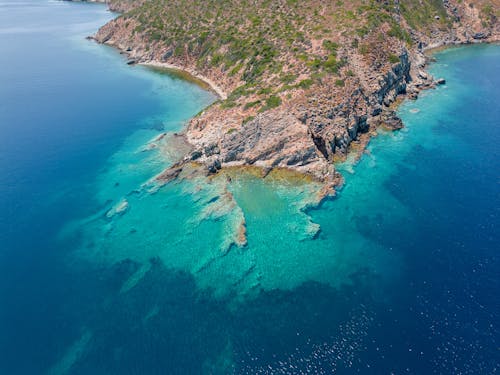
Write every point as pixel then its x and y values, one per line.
pixel 299 83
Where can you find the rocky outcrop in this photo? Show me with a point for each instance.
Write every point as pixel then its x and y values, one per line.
pixel 338 92
pixel 306 138
pixel 285 144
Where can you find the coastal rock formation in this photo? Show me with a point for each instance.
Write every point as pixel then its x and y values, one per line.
pixel 298 84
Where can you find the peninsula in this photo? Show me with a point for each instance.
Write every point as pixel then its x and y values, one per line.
pixel 299 81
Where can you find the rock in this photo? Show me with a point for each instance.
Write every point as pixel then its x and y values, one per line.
pixel 196 155
pixel 214 166
pixel 392 120
pixel 413 95
pixel 377 110
pixel 168 55
pixel 119 209
pixel 422 75
pixel 170 174
pixel 158 126
pixel 312 124
pixel 212 149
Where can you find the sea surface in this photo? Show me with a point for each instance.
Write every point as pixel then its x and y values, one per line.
pixel 105 271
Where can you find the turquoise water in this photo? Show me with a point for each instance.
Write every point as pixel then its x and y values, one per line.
pixel 104 271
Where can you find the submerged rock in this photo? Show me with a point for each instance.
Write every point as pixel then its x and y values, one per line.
pixel 119 209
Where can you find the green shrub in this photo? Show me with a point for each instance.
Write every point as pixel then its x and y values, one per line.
pixel 331 64
pixel 265 91
pixel 364 49
pixel 315 63
pixel 247 119
pixel 252 104
pixel 228 104
pixel 288 78
pixel 330 46
pixel 273 102
pixel 393 59
pixel 398 32
pixel 235 70
pixel 339 83
pixel 305 83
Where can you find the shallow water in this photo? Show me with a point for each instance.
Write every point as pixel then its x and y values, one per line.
pixel 103 271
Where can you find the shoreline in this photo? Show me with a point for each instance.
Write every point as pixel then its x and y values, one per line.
pixel 356 149
pixel 192 76
pixel 430 50
pixel 419 60
pixel 187 74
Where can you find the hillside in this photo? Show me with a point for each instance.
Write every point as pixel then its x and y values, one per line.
pixel 299 81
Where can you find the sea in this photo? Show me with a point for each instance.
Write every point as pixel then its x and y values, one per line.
pixel 104 270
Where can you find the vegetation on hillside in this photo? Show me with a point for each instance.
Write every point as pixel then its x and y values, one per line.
pixel 273 46
pixel 265 43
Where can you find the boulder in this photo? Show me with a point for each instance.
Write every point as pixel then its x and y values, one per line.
pixel 214 166
pixel 392 120
pixel 212 149
pixel 422 75
pixel 196 155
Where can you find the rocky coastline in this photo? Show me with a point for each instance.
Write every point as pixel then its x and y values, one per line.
pixel 310 128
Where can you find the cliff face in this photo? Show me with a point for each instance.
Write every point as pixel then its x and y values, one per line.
pixel 303 81
pixel 302 136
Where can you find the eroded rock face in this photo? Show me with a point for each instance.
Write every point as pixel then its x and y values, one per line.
pixel 306 137
pixel 274 139
pixel 394 82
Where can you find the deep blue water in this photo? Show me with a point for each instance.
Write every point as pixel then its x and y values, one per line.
pixel 403 276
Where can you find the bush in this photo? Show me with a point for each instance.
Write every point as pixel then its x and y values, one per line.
pixel 228 104
pixel 339 83
pixel 288 78
pixel 305 84
pixel 393 59
pixel 331 64
pixel 247 119
pixel 364 49
pixel 330 46
pixel 252 104
pixel 273 102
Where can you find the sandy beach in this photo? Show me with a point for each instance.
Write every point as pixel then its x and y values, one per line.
pixel 211 84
